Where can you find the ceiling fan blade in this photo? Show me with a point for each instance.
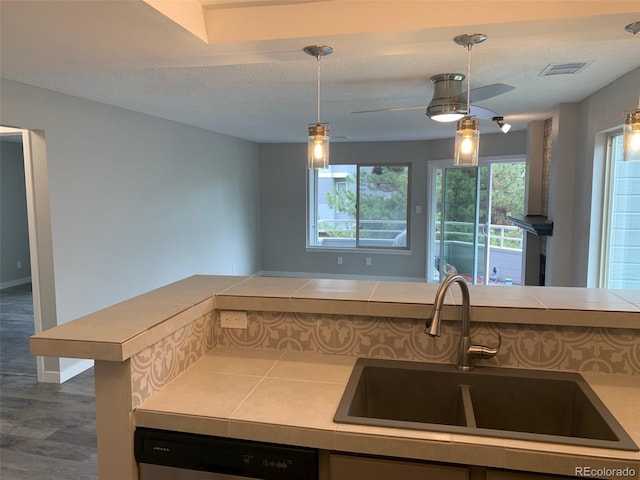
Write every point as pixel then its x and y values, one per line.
pixel 394 109
pixel 482 113
pixel 477 94
pixel 479 112
pixel 488 91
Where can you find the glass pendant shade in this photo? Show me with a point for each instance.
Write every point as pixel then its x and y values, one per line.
pixel 631 139
pixel 318 155
pixel 467 143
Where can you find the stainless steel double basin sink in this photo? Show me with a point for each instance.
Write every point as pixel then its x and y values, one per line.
pixel 542 406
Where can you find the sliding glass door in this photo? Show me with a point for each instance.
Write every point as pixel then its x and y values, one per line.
pixel 470 234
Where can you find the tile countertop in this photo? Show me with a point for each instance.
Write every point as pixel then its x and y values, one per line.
pixel 141 321
pixel 291 397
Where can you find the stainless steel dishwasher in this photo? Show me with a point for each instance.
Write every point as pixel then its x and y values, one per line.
pixel 167 455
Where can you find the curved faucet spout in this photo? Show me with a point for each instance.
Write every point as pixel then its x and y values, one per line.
pixel 467 350
pixel 432 326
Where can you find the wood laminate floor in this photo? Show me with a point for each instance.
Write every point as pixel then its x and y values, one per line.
pixel 47 431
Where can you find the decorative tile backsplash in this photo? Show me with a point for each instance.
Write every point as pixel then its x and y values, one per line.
pixel 523 346
pixel 157 365
pixel 591 349
pixel 579 349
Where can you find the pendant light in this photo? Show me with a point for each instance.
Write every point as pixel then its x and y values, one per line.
pixel 631 137
pixel 467 132
pixel 631 131
pixel 318 151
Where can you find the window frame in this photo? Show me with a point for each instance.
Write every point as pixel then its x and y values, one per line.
pixel 312 209
pixel 432 171
pixel 611 155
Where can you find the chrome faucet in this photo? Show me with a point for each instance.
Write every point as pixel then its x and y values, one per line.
pixel 466 350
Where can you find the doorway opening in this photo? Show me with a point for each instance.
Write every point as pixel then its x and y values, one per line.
pixel 469 231
pixel 40 246
pixel 16 298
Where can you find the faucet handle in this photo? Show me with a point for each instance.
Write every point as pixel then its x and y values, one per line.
pixel 482 351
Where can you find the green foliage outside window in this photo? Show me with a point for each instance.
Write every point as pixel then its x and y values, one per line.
pixel 382 209
pixel 508 193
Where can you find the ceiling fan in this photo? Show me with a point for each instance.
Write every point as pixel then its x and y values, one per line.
pixel 449 102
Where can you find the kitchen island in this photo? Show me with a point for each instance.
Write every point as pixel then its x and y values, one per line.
pixel 163 361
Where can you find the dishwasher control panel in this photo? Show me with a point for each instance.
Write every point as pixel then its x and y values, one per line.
pixel 241 458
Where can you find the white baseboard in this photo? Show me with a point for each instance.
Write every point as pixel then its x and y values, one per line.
pixel 71 371
pixel 15 283
pixel 338 276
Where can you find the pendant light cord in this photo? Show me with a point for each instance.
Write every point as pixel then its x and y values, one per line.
pixel 318 76
pixel 469 80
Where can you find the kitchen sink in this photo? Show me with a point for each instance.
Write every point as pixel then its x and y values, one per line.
pixel 535 405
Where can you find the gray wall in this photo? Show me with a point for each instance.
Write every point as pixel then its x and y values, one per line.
pixel 137 201
pixel 599 114
pixel 14 231
pixel 561 196
pixel 283 180
pixel 576 190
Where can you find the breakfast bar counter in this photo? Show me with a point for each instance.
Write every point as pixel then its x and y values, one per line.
pixel 163 360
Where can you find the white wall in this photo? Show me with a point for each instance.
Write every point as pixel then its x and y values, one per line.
pixel 136 201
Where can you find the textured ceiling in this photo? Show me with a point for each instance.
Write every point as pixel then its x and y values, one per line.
pixel 237 67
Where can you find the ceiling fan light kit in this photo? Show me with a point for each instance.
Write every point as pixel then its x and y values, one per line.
pixel 318 141
pixel 447 104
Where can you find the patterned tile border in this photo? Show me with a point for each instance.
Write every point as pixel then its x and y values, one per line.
pixel 157 365
pixel 523 346
pixel 581 349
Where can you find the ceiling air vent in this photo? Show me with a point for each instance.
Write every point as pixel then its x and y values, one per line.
pixel 563 68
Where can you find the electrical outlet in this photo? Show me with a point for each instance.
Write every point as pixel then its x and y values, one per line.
pixel 19 264
pixel 233 319
pixel 367 261
pixel 339 260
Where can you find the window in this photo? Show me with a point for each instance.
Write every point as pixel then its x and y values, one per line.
pixel 621 225
pixel 359 206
